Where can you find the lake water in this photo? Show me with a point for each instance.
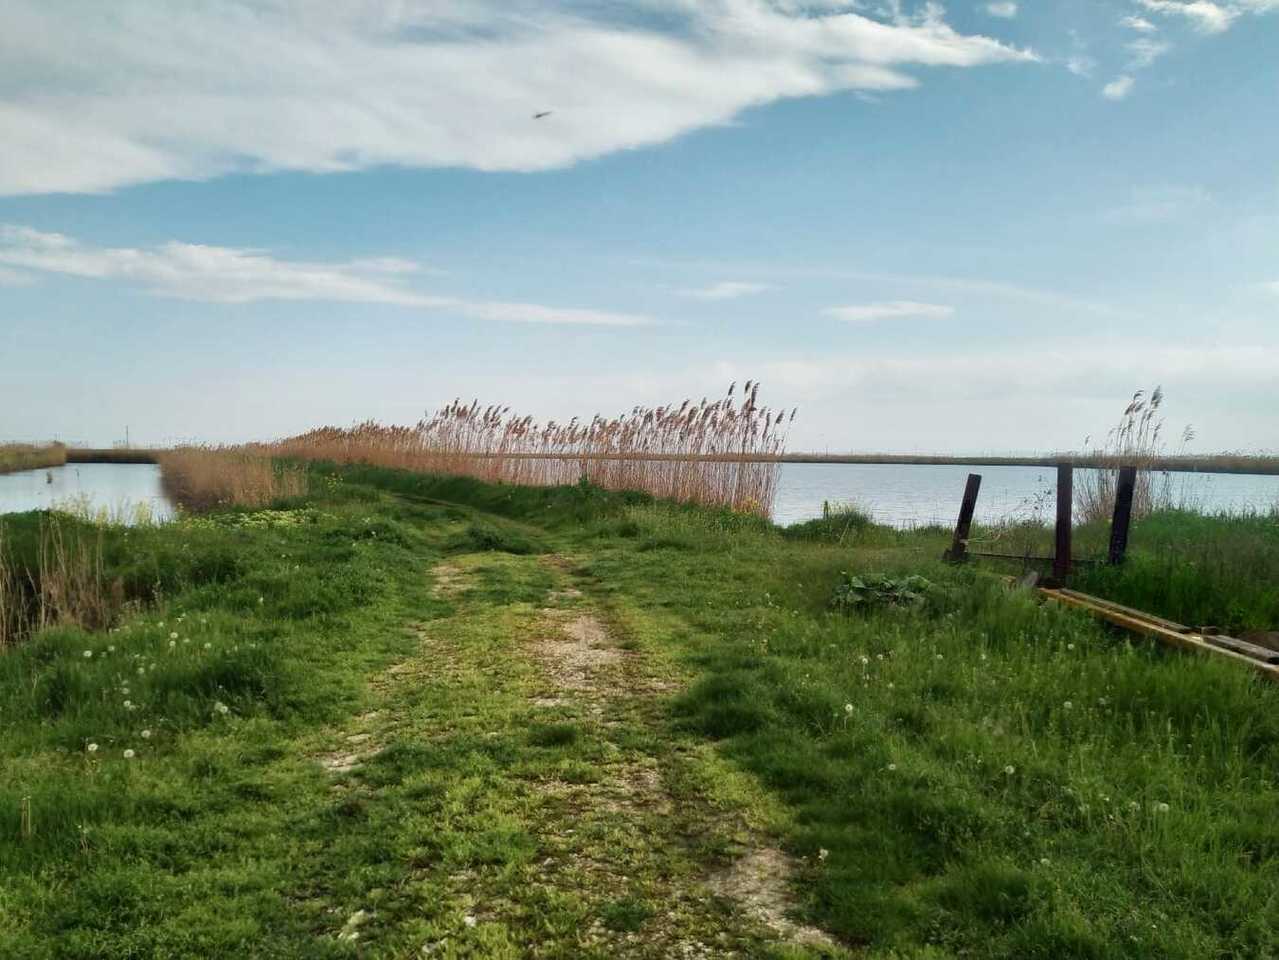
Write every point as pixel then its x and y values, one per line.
pixel 119 488
pixel 905 495
pixel 901 495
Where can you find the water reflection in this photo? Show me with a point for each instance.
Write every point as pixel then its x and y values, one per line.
pixel 125 491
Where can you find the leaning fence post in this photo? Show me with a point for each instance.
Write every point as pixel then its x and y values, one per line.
pixel 1119 523
pixel 959 546
pixel 1065 500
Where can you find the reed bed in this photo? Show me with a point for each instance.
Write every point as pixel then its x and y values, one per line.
pixel 26 456
pixel 1135 441
pixel 201 478
pixel 721 453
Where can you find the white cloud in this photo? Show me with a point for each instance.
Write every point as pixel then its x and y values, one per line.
pixel 95 96
pixel 1145 52
pixel 1118 88
pixel 1002 8
pixel 1206 16
pixel 1140 24
pixel 890 310
pixel 211 274
pixel 1081 65
pixel 726 290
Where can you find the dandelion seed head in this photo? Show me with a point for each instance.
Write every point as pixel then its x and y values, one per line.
pixel 88 653
pixel 892 766
pixel 1010 769
pixel 92 748
pixel 129 754
pixel 173 636
pixel 146 734
pixel 1162 808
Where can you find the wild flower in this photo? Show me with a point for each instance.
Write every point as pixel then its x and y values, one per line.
pixel 1044 861
pixel 865 660
pixel 92 748
pixel 110 649
pixel 1162 808
pixel 129 754
pixel 940 657
pixel 1070 646
pixel 892 766
pixel 208 646
pixel 146 734
pixel 848 709
pixel 172 644
pixel 128 704
pixel 822 854
pixel 173 636
pixel 1068 705
pixel 221 708
pixel 88 654
pixel 1010 769
pixel 142 671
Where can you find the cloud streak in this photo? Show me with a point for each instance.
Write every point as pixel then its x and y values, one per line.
pixel 890 310
pixel 211 274
pixel 726 290
pixel 97 96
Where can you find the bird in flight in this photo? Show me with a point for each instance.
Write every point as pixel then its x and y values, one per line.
pixel 539 116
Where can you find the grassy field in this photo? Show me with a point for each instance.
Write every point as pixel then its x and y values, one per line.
pixel 401 716
pixel 22 456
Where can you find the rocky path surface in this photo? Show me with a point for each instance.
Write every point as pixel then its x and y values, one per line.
pixel 565 819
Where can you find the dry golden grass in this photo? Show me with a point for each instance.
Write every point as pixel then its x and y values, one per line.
pixel 706 452
pixel 25 456
pixel 200 478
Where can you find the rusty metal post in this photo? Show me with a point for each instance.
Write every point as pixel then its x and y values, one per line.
pixel 1122 518
pixel 959 546
pixel 1065 502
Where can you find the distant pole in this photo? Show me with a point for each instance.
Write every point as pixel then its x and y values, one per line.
pixel 1119 523
pixel 959 545
pixel 1065 500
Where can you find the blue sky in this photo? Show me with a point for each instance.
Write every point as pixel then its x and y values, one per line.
pixel 970 228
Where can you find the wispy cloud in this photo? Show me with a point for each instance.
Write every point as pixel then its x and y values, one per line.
pixel 189 271
pixel 726 290
pixel 1207 16
pixel 1002 8
pixel 1118 88
pixel 1081 65
pixel 94 96
pixel 890 310
pixel 1145 51
pixel 1140 24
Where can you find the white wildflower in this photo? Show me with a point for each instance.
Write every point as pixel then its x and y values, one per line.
pixel 1162 808
pixel 92 748
pixel 146 734
pixel 88 654
pixel 822 854
pixel 129 754
pixel 892 766
pixel 1010 769
pixel 1068 705
pixel 173 636
pixel 848 708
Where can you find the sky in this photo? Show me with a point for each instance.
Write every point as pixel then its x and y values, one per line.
pixel 976 227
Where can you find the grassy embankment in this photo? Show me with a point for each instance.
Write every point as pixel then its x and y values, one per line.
pixel 24 456
pixel 402 713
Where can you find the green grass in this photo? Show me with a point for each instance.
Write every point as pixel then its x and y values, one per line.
pixel 974 776
pixel 21 456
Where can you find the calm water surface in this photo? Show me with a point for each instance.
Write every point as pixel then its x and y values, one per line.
pixel 905 495
pixel 117 487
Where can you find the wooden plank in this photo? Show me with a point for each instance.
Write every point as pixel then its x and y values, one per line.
pixel 1122 518
pixel 1153 627
pixel 959 545
pixel 1065 503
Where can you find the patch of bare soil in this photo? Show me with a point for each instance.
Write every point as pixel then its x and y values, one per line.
pixel 759 882
pixel 576 654
pixel 448 579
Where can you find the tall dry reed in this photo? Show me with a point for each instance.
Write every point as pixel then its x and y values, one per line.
pixel 67 585
pixel 1135 441
pixel 715 453
pixel 200 478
